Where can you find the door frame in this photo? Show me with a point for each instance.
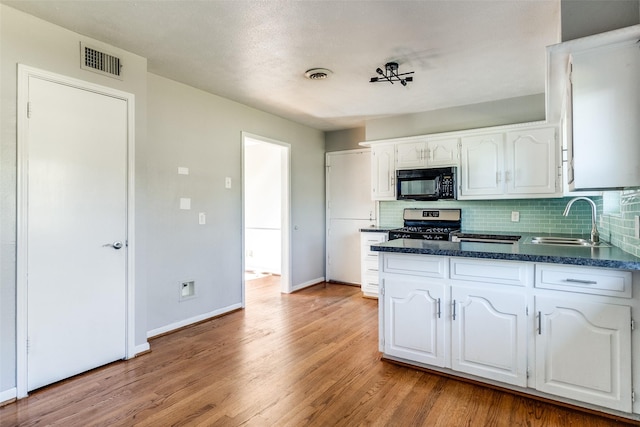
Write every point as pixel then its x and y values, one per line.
pixel 24 73
pixel 285 223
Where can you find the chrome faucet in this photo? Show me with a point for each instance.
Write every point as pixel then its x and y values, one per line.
pixel 595 236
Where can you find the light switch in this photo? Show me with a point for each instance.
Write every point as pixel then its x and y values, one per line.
pixel 185 203
pixel 202 218
pixel 183 171
pixel 227 182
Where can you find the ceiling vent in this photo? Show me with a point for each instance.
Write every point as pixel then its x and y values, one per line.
pixel 100 62
pixel 317 73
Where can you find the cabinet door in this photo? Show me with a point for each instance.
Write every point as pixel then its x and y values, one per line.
pixel 411 155
pixel 443 152
pixel 489 331
pixel 414 319
pixel 583 351
pixel 383 173
pixel 481 170
pixel 606 107
pixel 531 161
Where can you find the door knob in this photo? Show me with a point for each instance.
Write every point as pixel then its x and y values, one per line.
pixel 114 245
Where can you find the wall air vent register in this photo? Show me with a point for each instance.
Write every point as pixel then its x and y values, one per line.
pixel 97 61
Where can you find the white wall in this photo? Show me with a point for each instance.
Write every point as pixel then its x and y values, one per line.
pixel 31 41
pixel 185 127
pixel 194 129
pixel 495 113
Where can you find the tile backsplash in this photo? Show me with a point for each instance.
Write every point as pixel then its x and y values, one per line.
pixel 616 224
pixel 536 215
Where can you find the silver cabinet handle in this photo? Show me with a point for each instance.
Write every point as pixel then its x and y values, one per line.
pixel 584 282
pixel 539 323
pixel 454 310
pixel 439 312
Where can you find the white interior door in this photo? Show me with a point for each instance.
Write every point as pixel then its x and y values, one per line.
pixel 76 222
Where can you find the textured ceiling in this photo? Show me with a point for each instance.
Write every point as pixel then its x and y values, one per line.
pixel 256 52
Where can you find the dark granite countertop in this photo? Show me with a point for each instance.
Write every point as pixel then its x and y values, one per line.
pixel 377 229
pixel 609 257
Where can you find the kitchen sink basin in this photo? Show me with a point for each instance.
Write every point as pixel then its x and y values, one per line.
pixel 567 241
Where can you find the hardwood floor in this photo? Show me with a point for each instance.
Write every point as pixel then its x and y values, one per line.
pixel 305 359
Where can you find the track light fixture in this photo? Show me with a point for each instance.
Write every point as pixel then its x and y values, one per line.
pixel 390 74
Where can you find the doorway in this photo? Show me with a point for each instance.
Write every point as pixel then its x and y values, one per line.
pixel 266 210
pixel 75 229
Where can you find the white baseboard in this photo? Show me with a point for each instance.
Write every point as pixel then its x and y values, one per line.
pixel 191 320
pixel 7 395
pixel 307 284
pixel 141 348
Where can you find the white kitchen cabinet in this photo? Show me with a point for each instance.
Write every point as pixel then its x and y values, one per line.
pixel 481 165
pixel 414 323
pixel 604 152
pixel 489 334
pixel 562 330
pixel 369 262
pixel 594 91
pixel 443 152
pixel 383 172
pixel 503 162
pixel 485 321
pixel 518 163
pixel 532 161
pixel 427 153
pixel 583 351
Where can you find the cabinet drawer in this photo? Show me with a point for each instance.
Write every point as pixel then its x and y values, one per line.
pixel 597 281
pixel 495 272
pixel 367 239
pixel 371 277
pixel 371 263
pixel 415 265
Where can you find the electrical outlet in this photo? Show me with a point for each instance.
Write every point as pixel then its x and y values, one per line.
pixel 515 216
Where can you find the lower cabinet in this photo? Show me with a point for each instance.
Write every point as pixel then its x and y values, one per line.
pixel 489 331
pixel 469 329
pixel 414 321
pixel 583 351
pixel 482 317
pixel 369 262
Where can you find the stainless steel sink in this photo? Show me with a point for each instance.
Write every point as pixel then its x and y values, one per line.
pixel 567 241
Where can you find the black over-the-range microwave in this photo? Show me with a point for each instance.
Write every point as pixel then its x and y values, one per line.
pixel 426 184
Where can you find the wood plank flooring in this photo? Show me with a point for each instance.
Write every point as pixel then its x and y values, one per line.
pixel 305 359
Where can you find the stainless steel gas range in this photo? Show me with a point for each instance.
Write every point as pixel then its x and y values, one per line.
pixel 428 224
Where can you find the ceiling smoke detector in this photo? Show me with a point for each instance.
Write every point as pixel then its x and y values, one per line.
pixel 317 73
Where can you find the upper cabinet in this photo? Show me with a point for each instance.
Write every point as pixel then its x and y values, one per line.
pixel 427 153
pixel 513 164
pixel 383 172
pixel 594 91
pixel 482 167
pixel 505 162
